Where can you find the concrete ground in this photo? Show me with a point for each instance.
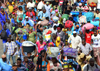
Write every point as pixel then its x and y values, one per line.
pixel 1 48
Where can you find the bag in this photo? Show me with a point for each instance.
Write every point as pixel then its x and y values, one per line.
pixel 95 66
pixel 53 51
pixel 3 34
pixel 68 24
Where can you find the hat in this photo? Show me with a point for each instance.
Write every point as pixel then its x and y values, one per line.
pixel 47 2
pixel 3 56
pixel 26 17
pixel 56 10
pixel 74 32
pixel 82 55
pixel 58 28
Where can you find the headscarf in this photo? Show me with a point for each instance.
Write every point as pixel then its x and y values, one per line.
pixel 58 43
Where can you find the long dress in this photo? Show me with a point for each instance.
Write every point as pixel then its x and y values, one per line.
pixel 3 18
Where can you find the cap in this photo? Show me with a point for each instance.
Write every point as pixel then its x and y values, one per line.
pixel 47 2
pixel 74 32
pixel 26 17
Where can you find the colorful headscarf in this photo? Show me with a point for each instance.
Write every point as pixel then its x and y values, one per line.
pixel 58 43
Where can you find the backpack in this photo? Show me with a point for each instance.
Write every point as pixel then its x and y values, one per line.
pixel 3 34
pixel 95 66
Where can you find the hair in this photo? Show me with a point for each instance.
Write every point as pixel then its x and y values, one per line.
pixel 19 59
pixel 52 70
pixel 19 23
pixel 20 7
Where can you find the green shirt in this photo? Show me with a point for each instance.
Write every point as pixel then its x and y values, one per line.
pixel 32 37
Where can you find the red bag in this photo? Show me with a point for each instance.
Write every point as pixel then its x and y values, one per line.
pixel 68 24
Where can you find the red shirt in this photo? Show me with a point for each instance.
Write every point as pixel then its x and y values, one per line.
pixel 29 14
pixel 88 37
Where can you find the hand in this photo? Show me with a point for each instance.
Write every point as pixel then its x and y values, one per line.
pixel 85 28
pixel 12 54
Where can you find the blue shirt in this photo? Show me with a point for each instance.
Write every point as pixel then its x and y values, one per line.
pixel 25 22
pixel 40 14
pixel 4 66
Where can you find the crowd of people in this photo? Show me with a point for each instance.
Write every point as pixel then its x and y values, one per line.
pixel 56 35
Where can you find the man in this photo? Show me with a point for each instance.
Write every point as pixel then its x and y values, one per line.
pixel 31 23
pixel 75 40
pixel 91 66
pixel 4 65
pixel 85 48
pixel 45 14
pixel 10 50
pixel 30 12
pixel 20 67
pixel 28 64
pixel 30 4
pixel 47 7
pixel 4 34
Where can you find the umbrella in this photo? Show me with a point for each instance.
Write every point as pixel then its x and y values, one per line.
pixel 55 18
pixel 68 24
pixel 88 26
pixel 66 16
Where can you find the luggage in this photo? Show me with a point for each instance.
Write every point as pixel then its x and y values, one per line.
pixel 3 34
pixel 53 51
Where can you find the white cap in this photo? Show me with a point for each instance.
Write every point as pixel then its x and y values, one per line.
pixel 26 17
pixel 74 32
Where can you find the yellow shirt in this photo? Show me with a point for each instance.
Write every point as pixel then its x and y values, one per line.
pixel 10 7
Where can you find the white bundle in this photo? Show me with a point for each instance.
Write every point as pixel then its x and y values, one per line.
pixel 40 5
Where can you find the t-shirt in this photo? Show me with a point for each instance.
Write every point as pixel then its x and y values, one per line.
pixel 88 37
pixel 10 7
pixel 40 46
pixel 96 40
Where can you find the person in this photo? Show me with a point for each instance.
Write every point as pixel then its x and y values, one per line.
pixel 20 66
pixel 4 34
pixel 85 48
pixel 31 23
pixel 30 12
pixel 92 66
pixel 47 7
pixel 32 35
pixel 28 64
pixel 10 50
pixel 75 40
pixel 10 7
pixel 20 14
pixel 96 48
pixel 40 44
pixel 3 17
pixel 97 14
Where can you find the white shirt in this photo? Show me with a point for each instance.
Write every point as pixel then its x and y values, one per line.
pixel 86 49
pixel 75 41
pixel 98 4
pixel 29 4
pixel 96 40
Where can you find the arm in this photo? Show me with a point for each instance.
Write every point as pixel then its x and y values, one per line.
pixel 35 51
pixel 6 51
pixel 69 39
pixel 90 49
pixel 23 51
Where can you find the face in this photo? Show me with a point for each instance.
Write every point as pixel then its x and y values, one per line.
pixel 41 39
pixel 74 34
pixel 44 11
pixel 95 33
pixel 18 62
pixel 92 62
pixel 2 10
pixel 4 27
pixel 4 59
pixel 83 42
pixel 14 68
pixel 8 39
pixel 26 19
pixel 25 59
pixel 20 9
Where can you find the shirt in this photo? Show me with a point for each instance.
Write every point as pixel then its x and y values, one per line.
pixel 40 46
pixel 10 7
pixel 31 23
pixel 11 46
pixel 88 37
pixel 29 65
pixel 91 68
pixel 96 40
pixel 75 41
pixel 85 49
pixel 22 68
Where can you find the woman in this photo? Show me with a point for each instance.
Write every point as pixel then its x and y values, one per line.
pixel 20 14
pixel 40 44
pixel 97 14
pixel 32 35
pixel 3 17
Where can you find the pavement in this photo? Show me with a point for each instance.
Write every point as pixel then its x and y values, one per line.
pixel 1 48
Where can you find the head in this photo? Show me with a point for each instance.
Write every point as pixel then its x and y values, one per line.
pixel 54 60
pixel 83 42
pixel 8 21
pixel 27 25
pixel 26 18
pixel 26 59
pixel 30 9
pixel 95 33
pixel 43 53
pixel 47 18
pixel 10 16
pixel 4 26
pixel 47 3
pixel 19 61
pixel 2 10
pixel 20 24
pixel 97 11
pixel 91 62
pixel 20 8
pixel 14 67
pixel 58 29
pixel 74 33
pixel 44 11
pixel 83 4
pixel 3 57
pixel 9 39
pixel 41 39
pixel 55 27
